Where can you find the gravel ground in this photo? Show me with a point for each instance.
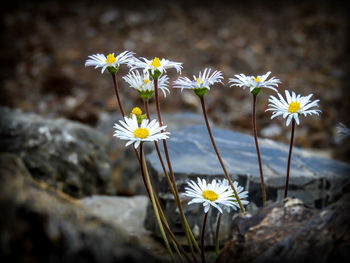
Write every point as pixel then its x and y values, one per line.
pixel 45 45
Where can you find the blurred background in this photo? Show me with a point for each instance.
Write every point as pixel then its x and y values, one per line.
pixel 303 43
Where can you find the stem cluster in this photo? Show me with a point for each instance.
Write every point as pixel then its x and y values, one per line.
pixel 159 214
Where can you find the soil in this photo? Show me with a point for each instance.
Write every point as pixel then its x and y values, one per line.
pixel 45 45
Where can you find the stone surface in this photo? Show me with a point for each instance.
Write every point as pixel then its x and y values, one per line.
pixel 289 231
pixel 64 154
pixel 129 214
pixel 313 179
pixel 44 225
pixel 126 171
pixel 12 164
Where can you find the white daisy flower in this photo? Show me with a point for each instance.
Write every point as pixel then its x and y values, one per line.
pixel 200 83
pixel 343 132
pixel 241 194
pixel 147 131
pixel 213 194
pixel 144 85
pixel 156 67
pixel 109 62
pixel 253 83
pixel 293 107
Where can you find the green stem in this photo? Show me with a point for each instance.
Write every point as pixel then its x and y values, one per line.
pixel 289 159
pixel 146 104
pixel 218 154
pixel 217 250
pixel 202 236
pixel 174 241
pixel 258 151
pixel 156 212
pixel 185 224
pixel 176 244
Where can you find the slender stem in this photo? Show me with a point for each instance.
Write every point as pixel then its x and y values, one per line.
pixel 192 237
pixel 117 94
pixel 289 159
pixel 164 222
pixel 202 236
pixel 218 155
pixel 258 151
pixel 137 155
pixel 217 250
pixel 156 97
pixel 188 232
pixel 174 241
pixel 156 212
pixel 115 83
pixel 146 105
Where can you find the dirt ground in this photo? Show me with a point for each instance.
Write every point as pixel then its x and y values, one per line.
pixel 45 44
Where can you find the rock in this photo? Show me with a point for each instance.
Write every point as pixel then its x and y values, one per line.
pixel 289 231
pixel 126 170
pixel 193 156
pixel 314 179
pixel 129 214
pixel 44 225
pixel 62 153
pixel 13 165
pixel 271 130
pixel 271 224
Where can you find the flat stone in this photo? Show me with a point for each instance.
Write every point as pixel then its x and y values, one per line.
pixel 192 156
pixel 127 213
pixel 126 170
pixel 313 179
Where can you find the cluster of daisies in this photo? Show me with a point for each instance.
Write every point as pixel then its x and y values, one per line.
pixel 291 108
pixel 137 130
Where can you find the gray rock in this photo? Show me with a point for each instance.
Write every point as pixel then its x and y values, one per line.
pixel 64 154
pixel 290 231
pixel 127 213
pixel 271 130
pixel 13 165
pixel 43 225
pixel 126 170
pixel 314 179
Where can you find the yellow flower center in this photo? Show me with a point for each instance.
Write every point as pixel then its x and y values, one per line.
pixel 210 195
pixel 146 81
pixel 111 59
pixel 137 111
pixel 257 79
pixel 294 107
pixel 156 62
pixel 199 81
pixel 141 133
